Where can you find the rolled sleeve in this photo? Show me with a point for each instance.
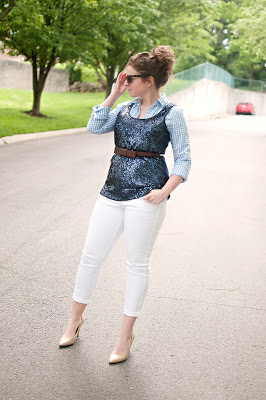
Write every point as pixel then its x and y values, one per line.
pixel 100 113
pixel 179 137
pixel 102 119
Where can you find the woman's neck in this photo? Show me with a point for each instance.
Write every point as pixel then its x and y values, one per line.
pixel 150 98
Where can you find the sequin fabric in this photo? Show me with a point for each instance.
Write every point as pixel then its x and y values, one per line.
pixel 130 178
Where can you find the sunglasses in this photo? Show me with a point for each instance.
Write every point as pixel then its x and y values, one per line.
pixel 129 78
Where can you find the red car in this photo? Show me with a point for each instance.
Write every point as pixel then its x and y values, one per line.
pixel 245 108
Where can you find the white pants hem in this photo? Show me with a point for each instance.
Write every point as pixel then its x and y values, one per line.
pixel 79 300
pixel 131 314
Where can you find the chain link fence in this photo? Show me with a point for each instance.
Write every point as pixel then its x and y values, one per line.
pixel 250 84
pixel 183 79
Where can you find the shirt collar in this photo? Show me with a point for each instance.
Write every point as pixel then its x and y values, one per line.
pixel 162 100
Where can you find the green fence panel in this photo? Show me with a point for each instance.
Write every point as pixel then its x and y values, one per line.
pixel 183 79
pixel 250 84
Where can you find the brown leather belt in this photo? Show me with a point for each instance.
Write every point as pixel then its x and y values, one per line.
pixel 134 154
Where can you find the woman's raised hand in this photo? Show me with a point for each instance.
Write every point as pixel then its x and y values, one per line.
pixel 119 88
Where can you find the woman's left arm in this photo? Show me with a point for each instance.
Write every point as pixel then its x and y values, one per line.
pixel 179 137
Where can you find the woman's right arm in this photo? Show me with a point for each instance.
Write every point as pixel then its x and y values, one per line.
pixel 102 119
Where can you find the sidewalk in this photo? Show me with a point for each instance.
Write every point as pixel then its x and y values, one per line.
pixel 41 135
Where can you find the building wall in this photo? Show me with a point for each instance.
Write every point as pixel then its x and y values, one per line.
pixel 207 97
pixel 18 75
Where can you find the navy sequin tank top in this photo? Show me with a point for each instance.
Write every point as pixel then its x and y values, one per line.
pixel 130 178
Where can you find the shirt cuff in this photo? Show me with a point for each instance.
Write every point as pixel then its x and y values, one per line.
pixel 100 113
pixel 181 170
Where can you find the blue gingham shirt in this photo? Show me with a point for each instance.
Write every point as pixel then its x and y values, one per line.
pixel 102 120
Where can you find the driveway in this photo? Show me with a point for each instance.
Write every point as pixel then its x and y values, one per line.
pixel 201 333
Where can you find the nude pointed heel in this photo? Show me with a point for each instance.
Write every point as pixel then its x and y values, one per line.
pixel 71 340
pixel 116 358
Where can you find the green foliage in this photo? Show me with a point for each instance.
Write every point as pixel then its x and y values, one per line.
pixel 82 73
pixel 249 37
pixel 75 73
pixel 187 31
pixel 249 29
pixel 238 37
pixel 134 26
pixel 224 13
pixel 121 28
pixel 89 74
pixel 103 34
pixel 5 8
pixel 48 27
pixel 47 32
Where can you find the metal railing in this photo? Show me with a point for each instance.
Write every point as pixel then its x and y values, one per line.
pixel 250 84
pixel 183 79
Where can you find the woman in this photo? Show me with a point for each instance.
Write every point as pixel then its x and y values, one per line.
pixel 134 196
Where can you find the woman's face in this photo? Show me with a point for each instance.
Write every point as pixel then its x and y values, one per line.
pixel 136 87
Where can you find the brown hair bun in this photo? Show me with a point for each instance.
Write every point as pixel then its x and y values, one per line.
pixel 159 63
pixel 164 56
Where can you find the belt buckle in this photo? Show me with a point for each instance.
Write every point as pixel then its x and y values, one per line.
pixel 131 153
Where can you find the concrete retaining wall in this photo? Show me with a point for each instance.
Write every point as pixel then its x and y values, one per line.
pixel 247 96
pixel 207 97
pixel 18 75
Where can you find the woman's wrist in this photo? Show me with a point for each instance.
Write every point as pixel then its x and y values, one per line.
pixel 165 194
pixel 171 184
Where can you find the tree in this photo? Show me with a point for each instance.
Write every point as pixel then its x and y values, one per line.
pixel 5 8
pixel 249 36
pixel 238 36
pixel 124 30
pixel 46 32
pixel 185 26
pixel 225 13
pixel 135 26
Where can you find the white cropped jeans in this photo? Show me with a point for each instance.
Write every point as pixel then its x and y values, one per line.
pixel 140 221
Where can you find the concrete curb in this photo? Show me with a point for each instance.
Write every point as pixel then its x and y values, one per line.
pixel 39 135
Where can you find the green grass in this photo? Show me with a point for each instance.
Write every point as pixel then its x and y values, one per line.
pixel 66 110
pixel 253 88
pixel 174 85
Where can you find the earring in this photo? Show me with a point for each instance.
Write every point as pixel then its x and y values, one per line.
pixel 148 88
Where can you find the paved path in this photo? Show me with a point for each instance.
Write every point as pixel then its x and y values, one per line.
pixel 201 334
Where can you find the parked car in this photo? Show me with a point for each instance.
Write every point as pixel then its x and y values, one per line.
pixel 245 108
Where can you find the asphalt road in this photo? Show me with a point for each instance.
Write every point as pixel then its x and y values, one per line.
pixel 201 333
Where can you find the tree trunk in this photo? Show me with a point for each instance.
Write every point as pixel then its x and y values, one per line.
pixel 250 76
pixel 7 10
pixel 36 92
pixel 100 79
pixel 36 102
pixel 110 71
pixel 38 80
